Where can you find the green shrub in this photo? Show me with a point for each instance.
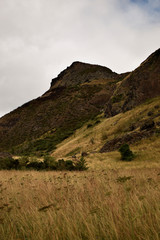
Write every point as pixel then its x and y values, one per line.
pixel 49 162
pixel 81 164
pixel 5 163
pixel 126 153
pixel 35 165
pixel 65 165
pixel 69 165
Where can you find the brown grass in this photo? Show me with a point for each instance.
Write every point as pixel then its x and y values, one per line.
pixel 102 204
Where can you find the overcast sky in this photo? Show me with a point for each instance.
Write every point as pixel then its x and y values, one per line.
pixel 40 38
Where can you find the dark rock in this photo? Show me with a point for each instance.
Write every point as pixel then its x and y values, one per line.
pixel 132 127
pixel 156 107
pixel 157 115
pixel 79 72
pixel 137 87
pixel 147 125
pixel 130 138
pixel 158 123
pixel 150 113
pixel 84 154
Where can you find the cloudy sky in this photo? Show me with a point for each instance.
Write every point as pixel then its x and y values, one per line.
pixel 39 38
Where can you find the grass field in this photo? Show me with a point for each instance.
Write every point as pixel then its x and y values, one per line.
pixel 114 203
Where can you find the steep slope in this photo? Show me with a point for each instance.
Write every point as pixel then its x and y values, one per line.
pixel 139 127
pixel 141 84
pixel 79 93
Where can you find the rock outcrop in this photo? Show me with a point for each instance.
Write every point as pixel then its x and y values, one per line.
pixel 138 86
pixel 79 73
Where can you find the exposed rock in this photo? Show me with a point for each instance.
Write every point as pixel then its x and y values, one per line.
pixel 130 138
pixel 156 107
pixel 150 113
pixel 137 87
pixel 79 73
pixel 158 123
pixel 147 125
pixel 84 154
pixel 132 127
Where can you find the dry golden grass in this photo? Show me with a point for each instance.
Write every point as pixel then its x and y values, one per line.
pixel 92 139
pixel 103 204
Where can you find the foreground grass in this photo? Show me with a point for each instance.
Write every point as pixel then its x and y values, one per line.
pixel 93 205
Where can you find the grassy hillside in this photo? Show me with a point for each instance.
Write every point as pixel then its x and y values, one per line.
pixel 94 134
pixel 42 123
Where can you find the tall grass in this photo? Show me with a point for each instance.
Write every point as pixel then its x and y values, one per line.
pixel 93 205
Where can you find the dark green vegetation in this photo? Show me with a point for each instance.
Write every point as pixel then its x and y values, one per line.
pixel 126 153
pixel 48 163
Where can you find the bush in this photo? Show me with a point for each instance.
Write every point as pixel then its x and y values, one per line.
pixel 65 165
pixel 69 165
pixel 35 165
pixel 126 153
pixel 7 162
pixel 49 162
pixel 81 164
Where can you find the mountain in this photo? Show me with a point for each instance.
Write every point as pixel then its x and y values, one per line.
pixel 138 86
pixel 78 94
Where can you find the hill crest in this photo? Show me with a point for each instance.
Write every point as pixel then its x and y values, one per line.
pixel 79 72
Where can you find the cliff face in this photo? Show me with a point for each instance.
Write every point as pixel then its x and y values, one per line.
pixel 142 84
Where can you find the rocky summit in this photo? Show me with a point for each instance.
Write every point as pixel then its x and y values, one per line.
pixel 77 95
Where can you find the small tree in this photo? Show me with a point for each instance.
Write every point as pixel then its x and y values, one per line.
pixel 126 153
pixel 81 164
